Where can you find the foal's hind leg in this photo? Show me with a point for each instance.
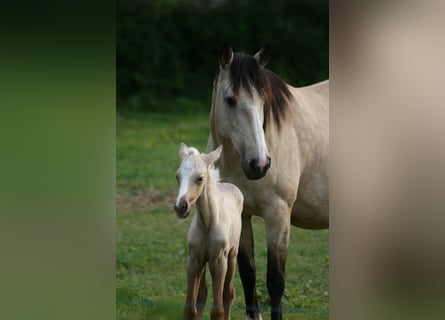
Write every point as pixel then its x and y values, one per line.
pixel 247 270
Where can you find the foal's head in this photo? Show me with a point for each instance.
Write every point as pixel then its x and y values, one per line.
pixel 192 176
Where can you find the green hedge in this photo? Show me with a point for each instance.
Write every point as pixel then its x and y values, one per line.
pixel 167 51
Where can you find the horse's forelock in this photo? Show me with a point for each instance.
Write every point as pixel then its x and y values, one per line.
pixel 245 72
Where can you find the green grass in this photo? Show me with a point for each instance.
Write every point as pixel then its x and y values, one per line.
pixel 151 243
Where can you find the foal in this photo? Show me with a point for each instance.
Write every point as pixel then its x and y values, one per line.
pixel 214 232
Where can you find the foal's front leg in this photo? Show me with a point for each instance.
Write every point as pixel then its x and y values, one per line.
pixel 195 266
pixel 202 293
pixel 218 269
pixel 229 290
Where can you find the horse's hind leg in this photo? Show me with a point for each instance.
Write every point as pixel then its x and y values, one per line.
pixel 202 293
pixel 247 271
pixel 277 233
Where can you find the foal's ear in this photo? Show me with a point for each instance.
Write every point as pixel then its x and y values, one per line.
pixel 183 151
pixel 226 56
pixel 263 55
pixel 211 157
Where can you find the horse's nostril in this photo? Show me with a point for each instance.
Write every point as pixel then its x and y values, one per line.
pixel 184 206
pixel 253 165
pixel 268 163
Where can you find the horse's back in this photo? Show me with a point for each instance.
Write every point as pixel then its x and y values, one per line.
pixel 318 94
pixel 321 88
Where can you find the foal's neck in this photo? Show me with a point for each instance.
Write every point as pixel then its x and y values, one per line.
pixel 206 205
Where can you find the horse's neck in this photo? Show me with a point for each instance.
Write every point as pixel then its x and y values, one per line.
pixel 206 205
pixel 230 160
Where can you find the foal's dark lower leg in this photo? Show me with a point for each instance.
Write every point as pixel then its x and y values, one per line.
pixel 247 270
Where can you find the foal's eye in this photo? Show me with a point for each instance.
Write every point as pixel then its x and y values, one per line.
pixel 200 179
pixel 231 101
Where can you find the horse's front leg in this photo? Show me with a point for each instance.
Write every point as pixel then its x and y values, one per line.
pixel 194 270
pixel 277 232
pixel 218 269
pixel 247 270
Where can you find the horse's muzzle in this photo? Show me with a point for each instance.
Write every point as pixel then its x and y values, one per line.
pixel 182 210
pixel 254 171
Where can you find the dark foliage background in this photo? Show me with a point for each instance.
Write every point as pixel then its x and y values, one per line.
pixel 167 50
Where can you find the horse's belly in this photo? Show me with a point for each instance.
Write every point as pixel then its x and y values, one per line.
pixel 306 216
pixel 311 208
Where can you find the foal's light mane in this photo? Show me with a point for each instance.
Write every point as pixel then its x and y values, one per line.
pixel 215 173
pixel 247 73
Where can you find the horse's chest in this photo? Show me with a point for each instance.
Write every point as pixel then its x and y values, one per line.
pixel 261 194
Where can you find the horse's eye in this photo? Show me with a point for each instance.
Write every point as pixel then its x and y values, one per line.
pixel 200 179
pixel 231 101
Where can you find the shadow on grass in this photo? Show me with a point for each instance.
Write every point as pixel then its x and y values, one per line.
pixel 134 306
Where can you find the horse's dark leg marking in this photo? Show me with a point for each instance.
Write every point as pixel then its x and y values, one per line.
pixel 277 234
pixel 276 262
pixel 247 270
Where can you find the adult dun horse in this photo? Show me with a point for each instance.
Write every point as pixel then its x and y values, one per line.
pixel 275 141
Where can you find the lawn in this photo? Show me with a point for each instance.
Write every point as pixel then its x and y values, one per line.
pixel 151 244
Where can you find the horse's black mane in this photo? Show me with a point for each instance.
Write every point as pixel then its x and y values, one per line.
pixel 247 73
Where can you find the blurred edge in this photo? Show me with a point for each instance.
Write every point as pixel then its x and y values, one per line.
pixel 387 152
pixel 387 239
pixel 57 164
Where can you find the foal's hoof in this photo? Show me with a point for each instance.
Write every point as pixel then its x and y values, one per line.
pixel 256 318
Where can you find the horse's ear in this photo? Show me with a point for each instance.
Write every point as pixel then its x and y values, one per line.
pixel 183 151
pixel 263 55
pixel 213 156
pixel 226 56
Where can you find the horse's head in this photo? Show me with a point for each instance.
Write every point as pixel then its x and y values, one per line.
pixel 192 177
pixel 239 100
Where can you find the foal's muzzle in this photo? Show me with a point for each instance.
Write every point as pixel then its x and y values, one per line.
pixel 254 171
pixel 182 210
